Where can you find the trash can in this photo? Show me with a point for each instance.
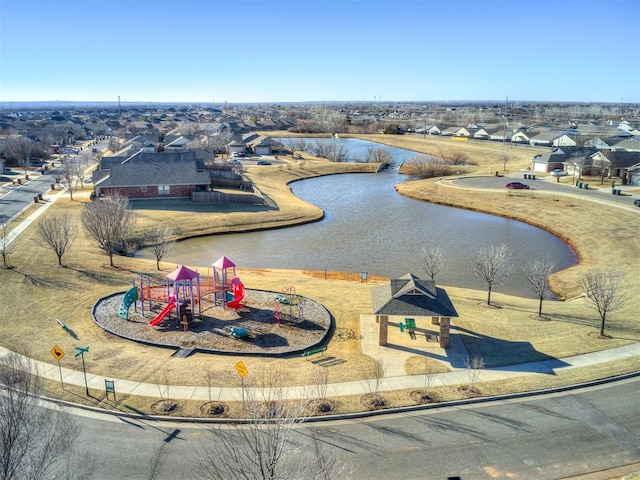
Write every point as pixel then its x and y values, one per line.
pixel 579 184
pixel 533 177
pixel 586 186
pixel 613 191
pixel 35 199
pixel 526 176
pixel 401 325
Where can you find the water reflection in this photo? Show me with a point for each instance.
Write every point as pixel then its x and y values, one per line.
pixel 370 228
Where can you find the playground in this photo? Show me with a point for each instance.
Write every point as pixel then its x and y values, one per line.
pixel 189 312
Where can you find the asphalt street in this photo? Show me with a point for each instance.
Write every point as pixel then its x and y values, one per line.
pixel 593 431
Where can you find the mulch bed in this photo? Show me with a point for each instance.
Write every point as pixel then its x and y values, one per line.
pixel 214 409
pixel 266 334
pixel 421 397
pixel 373 401
pixel 166 407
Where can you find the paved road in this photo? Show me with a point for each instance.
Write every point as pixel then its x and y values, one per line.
pixel 549 437
pixel 547 184
pixel 19 197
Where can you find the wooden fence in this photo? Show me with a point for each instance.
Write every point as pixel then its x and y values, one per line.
pixel 225 197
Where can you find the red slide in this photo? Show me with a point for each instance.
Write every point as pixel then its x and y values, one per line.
pixel 238 296
pixel 165 311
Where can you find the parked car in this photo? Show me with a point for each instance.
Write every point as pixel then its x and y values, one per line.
pixel 558 172
pixel 636 202
pixel 263 162
pixel 517 185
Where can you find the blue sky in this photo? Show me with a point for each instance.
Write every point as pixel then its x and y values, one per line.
pixel 299 50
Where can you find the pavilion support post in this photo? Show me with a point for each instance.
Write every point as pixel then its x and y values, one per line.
pixel 445 327
pixel 435 320
pixel 384 329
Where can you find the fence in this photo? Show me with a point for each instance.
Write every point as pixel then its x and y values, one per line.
pixel 225 197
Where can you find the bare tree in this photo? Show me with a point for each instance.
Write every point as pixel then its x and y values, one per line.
pixel 537 272
pixel 219 141
pixel 159 240
pixel 432 260
pixel 58 233
pixel 320 381
pixel 108 221
pixel 378 155
pixel 330 151
pixel 264 447
pixel 70 172
pixel 474 365
pixel 113 145
pixel 6 244
pixel 428 166
pixel 17 150
pixel 492 264
pixel 601 292
pixel 504 157
pixel 35 443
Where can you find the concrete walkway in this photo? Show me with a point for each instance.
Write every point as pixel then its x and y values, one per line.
pixel 455 377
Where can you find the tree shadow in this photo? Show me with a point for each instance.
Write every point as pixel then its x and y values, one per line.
pixel 513 355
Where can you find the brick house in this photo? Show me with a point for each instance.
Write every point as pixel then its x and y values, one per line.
pixel 152 175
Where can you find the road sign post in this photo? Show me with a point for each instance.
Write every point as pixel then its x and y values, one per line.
pixel 57 353
pixel 242 371
pixel 80 351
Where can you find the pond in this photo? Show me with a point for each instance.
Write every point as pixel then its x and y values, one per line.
pixel 368 227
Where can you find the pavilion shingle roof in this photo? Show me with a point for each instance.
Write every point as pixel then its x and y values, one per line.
pixel 410 295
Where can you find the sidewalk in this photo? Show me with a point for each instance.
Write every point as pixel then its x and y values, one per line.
pixel 389 383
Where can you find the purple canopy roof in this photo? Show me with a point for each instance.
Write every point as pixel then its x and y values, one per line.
pixel 224 262
pixel 182 273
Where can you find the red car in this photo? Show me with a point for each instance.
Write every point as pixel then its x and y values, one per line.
pixel 517 185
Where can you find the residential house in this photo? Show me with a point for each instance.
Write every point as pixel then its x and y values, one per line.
pixel 633 174
pixel 449 132
pixel 629 145
pixel 553 138
pixel 152 175
pixel 617 163
pixel 500 134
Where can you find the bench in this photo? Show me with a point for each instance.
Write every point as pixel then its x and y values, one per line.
pixel 313 351
pixel 431 337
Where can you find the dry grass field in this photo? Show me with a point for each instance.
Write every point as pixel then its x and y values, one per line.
pixel 36 292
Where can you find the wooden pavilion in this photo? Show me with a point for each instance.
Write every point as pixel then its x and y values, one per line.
pixel 412 299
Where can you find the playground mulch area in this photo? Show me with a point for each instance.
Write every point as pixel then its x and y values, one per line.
pixel 293 329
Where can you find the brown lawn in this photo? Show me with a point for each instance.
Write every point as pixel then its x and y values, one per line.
pixel 36 292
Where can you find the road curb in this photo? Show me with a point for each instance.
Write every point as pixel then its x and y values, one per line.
pixel 354 415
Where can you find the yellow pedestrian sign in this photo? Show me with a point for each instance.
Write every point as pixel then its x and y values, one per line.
pixel 241 369
pixel 57 353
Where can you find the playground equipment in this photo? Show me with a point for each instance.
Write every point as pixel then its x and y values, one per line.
pixel 129 298
pixel 161 316
pixel 224 271
pixel 235 297
pixel 186 288
pixel 290 299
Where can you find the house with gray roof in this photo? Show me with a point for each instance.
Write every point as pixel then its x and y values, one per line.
pixel 410 296
pixel 553 138
pixel 151 175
